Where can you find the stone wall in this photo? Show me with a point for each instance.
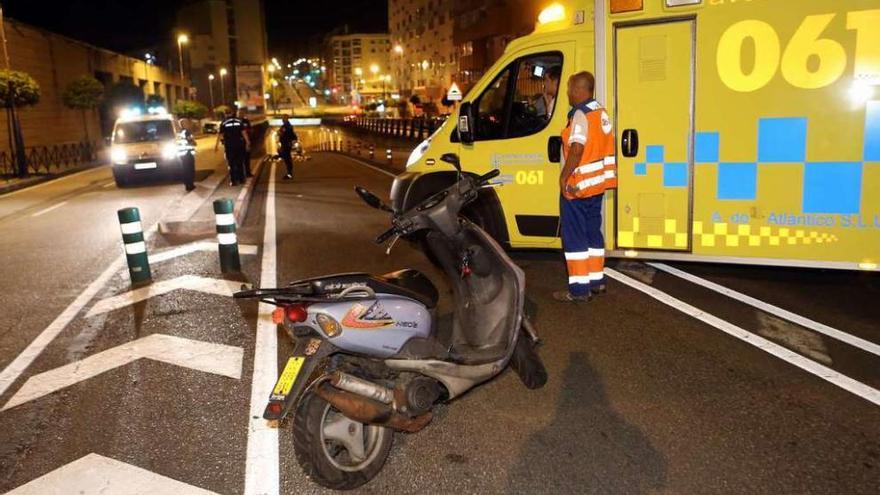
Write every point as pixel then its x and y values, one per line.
pixel 54 60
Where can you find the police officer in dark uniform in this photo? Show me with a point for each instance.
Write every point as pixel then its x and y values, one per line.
pixel 186 146
pixel 286 138
pixel 235 143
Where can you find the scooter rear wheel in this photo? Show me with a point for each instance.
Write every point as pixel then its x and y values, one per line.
pixel 335 451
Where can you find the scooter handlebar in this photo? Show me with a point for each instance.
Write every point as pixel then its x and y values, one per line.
pixel 384 236
pixel 488 176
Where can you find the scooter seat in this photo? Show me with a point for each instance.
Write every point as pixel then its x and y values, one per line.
pixel 410 283
pixel 407 283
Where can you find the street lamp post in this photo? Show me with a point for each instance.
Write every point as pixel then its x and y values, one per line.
pixel 211 90
pixel 374 69
pixel 222 90
pixel 181 40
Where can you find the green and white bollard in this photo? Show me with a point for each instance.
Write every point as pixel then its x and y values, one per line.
pixel 227 241
pixel 135 247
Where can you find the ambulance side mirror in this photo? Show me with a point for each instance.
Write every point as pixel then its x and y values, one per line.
pixel 466 123
pixel 629 143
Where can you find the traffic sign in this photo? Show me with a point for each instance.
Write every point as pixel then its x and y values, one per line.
pixel 454 94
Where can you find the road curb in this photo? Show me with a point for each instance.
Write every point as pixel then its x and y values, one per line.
pixel 34 181
pixel 183 223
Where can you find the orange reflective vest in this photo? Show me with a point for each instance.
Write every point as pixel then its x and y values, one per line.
pixel 597 170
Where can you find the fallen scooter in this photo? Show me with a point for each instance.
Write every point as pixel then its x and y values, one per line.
pixel 369 357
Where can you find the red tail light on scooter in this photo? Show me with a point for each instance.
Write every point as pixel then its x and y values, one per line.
pixel 296 313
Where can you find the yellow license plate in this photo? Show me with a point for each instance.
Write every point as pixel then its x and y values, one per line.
pixel 288 376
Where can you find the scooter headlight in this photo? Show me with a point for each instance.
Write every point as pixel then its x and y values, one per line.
pixel 330 326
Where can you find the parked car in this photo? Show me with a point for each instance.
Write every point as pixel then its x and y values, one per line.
pixel 211 127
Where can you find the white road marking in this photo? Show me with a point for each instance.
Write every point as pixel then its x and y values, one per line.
pixel 188 282
pixel 864 391
pixel 774 310
pixel 810 344
pixel 39 344
pixel 377 169
pixel 194 247
pixel 108 185
pixel 218 359
pixel 261 466
pixel 51 181
pixel 47 210
pixel 95 474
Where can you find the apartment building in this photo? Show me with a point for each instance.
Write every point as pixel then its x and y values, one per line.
pixel 423 57
pixel 358 68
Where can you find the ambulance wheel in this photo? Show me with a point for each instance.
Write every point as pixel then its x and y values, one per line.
pixel 335 451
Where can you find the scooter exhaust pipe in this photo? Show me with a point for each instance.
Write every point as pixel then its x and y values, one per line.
pixel 366 410
pixel 362 387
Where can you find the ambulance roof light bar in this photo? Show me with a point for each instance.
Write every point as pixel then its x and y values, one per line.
pixel 554 12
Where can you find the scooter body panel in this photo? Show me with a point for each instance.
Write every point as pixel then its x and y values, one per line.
pixel 376 327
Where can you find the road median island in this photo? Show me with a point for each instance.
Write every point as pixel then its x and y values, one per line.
pixel 193 215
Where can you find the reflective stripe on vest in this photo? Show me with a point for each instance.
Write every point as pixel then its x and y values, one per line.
pixel 597 170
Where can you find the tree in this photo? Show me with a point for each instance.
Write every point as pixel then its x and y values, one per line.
pixel 83 93
pixel 124 94
pixel 17 89
pixel 220 111
pixel 155 101
pixel 189 109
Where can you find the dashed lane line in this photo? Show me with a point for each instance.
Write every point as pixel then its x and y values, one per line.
pixel 47 210
pixel 858 388
pixel 261 465
pixel 774 310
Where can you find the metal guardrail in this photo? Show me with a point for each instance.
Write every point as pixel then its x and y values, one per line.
pixel 50 159
pixel 415 128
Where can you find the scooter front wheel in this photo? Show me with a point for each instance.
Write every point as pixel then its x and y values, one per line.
pixel 335 451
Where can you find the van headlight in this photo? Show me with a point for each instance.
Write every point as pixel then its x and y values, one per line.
pixel 118 154
pixel 418 152
pixel 169 151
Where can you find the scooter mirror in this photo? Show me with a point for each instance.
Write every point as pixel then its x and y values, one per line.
pixel 452 159
pixel 371 199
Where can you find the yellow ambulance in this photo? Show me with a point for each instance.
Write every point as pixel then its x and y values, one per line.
pixel 753 128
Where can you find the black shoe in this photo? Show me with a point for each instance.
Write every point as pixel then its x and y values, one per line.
pixel 599 289
pixel 190 188
pixel 567 297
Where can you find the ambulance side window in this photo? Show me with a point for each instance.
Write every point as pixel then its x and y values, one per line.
pixel 535 94
pixel 492 108
pixel 521 99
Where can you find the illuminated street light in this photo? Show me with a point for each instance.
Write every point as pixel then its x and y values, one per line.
pixel 374 68
pixel 182 39
pixel 425 65
pixel 398 49
pixel 211 90
pixel 222 91
pixel 358 71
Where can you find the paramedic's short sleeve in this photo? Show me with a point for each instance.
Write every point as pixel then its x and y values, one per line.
pixel 578 128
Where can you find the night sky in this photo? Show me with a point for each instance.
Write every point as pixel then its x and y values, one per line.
pixel 130 25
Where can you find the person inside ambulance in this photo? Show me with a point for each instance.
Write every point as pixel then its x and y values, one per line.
pixel 547 99
pixel 589 169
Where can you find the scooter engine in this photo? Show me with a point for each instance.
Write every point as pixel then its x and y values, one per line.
pixel 418 395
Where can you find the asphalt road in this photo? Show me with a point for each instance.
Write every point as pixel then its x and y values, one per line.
pixel 646 394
